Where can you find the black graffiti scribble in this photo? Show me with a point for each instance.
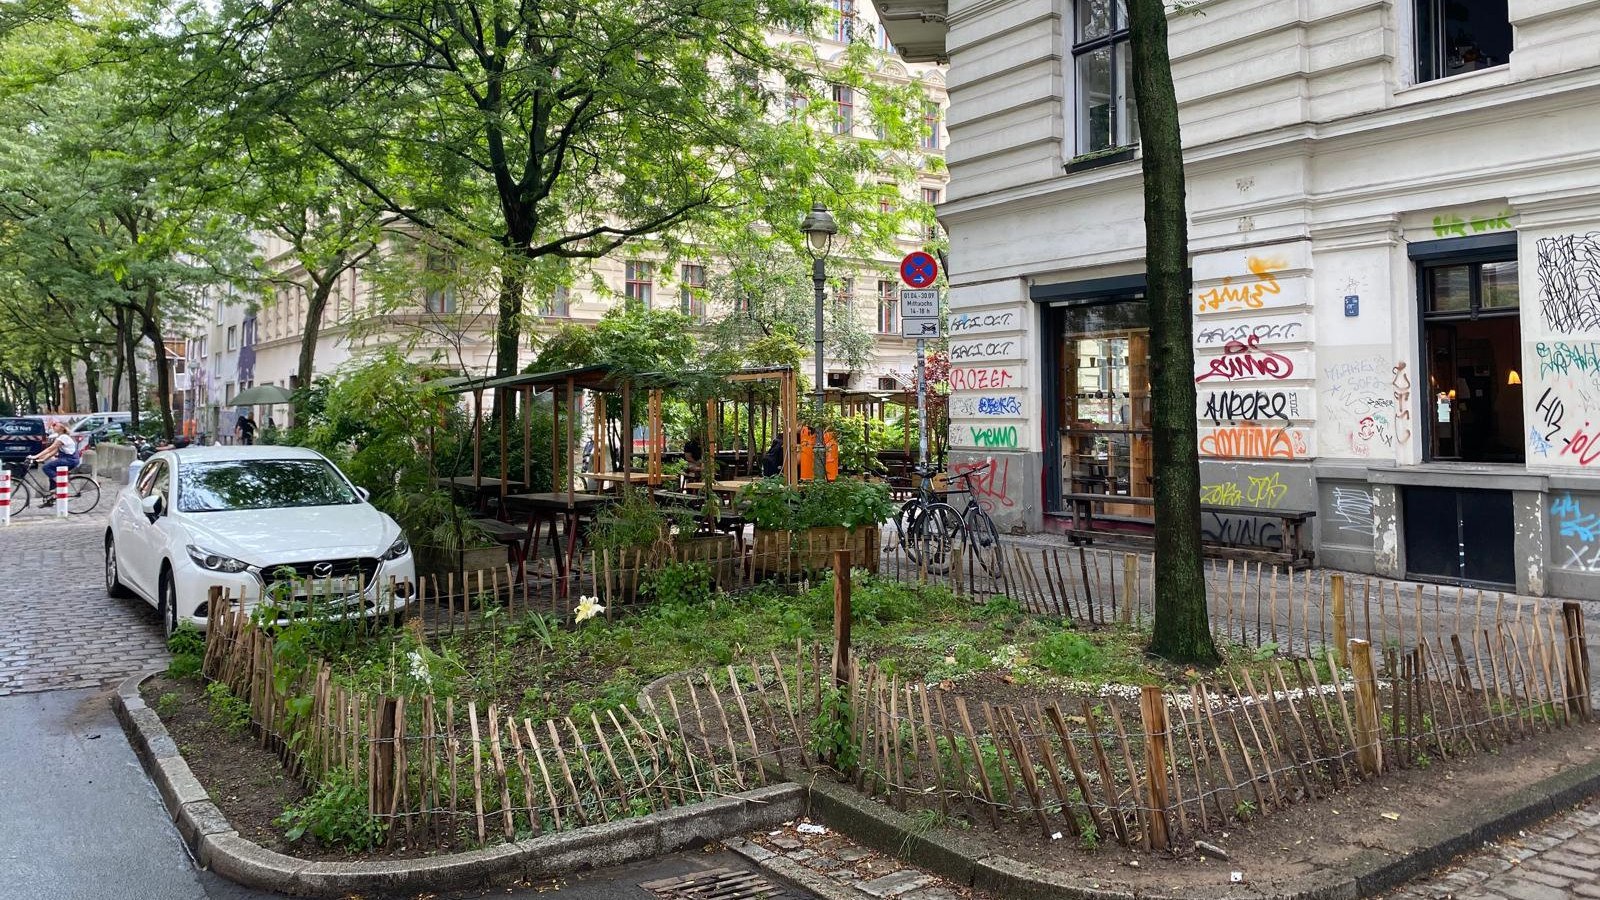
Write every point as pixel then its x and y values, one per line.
pixel 1569 282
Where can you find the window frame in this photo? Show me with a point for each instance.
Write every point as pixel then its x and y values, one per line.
pixel 888 306
pixel 1117 40
pixel 691 287
pixel 929 138
pixel 844 109
pixel 636 289
pixel 844 25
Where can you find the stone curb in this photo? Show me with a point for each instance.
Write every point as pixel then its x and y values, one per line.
pixel 790 871
pixel 219 847
pixel 965 862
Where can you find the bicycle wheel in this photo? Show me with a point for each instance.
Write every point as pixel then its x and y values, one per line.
pixel 935 532
pixel 83 494
pixel 902 524
pixel 21 497
pixel 983 540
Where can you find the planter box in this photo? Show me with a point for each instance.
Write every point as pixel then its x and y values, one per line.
pixel 438 561
pixel 790 553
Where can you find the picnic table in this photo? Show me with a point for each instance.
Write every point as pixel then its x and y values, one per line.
pixel 554 506
pixel 610 478
pixel 479 488
pixel 721 486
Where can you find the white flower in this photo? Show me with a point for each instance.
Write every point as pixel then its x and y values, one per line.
pixel 588 607
pixel 419 668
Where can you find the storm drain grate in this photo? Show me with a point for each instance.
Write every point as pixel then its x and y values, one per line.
pixel 716 884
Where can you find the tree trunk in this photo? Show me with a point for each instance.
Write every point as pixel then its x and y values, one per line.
pixel 1182 631
pixel 152 330
pixel 119 361
pixel 130 354
pixel 316 304
pixel 91 379
pixel 508 331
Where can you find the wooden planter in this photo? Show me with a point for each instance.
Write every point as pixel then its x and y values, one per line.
pixel 439 561
pixel 790 553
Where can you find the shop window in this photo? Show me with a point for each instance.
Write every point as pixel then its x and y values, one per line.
pixel 1103 400
pixel 1459 36
pixel 1103 64
pixel 1472 352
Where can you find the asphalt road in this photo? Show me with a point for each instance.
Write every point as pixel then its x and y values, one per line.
pixel 78 817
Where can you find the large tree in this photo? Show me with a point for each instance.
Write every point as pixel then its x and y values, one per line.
pixel 519 133
pixel 1182 629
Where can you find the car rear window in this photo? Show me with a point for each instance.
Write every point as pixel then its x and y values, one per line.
pixel 260 484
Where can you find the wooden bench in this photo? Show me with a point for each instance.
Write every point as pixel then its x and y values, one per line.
pixel 514 537
pixel 1216 528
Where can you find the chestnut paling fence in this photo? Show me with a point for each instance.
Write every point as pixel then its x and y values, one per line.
pixel 1357 678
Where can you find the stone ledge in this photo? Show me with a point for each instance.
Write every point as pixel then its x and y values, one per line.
pixel 217 846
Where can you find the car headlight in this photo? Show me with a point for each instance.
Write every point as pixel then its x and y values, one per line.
pixel 399 548
pixel 215 562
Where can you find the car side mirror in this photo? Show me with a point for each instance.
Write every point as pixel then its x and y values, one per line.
pixel 151 505
pixel 364 494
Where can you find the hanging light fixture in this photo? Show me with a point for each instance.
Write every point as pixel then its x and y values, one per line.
pixel 1513 378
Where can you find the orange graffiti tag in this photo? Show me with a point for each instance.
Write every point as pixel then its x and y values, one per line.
pixel 1252 440
pixel 1246 295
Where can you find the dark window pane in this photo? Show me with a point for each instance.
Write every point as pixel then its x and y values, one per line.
pixel 1095 101
pixel 1094 19
pixel 1500 285
pixel 260 484
pixel 1450 289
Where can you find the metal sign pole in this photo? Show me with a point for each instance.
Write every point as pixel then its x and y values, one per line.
pixel 922 402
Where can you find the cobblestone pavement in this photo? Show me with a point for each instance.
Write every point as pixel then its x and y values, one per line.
pixel 1555 860
pixel 835 866
pixel 58 629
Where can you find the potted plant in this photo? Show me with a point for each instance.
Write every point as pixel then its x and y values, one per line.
pixel 799 527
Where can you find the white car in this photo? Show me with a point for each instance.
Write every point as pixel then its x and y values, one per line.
pixel 238 518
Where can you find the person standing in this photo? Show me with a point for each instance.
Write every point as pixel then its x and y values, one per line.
pixel 245 427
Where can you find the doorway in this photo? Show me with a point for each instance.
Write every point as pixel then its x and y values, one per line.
pixel 1458 535
pixel 1472 348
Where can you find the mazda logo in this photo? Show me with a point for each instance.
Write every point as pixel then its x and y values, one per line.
pixel 322 570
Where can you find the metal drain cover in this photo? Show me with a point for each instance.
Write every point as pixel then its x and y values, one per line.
pixel 716 884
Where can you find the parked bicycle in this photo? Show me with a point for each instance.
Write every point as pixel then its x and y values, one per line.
pixel 28 485
pixel 929 529
pixel 982 539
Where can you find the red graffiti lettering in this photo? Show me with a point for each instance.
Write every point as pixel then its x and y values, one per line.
pixel 991 487
pixel 981 379
pixel 1584 445
pixel 1245 359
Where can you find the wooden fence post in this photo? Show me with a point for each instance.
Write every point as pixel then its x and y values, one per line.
pixel 1340 638
pixel 1577 660
pixel 841 618
pixel 382 774
pixel 1130 587
pixel 1153 715
pixel 1369 734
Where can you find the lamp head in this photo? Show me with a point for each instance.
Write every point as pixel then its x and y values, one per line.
pixel 819 228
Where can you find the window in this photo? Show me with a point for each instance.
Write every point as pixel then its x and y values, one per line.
pixel 881 39
pixel 844 26
pixel 795 103
pixel 888 308
pixel 1102 400
pixel 233 337
pixel 1472 344
pixel 845 109
pixel 846 294
pixel 1103 62
pixel 888 383
pixel 560 306
pixel 929 140
pixel 638 286
pixel 438 293
pixel 1459 36
pixel 691 290
pixel 839 381
pixel 261 484
pixel 885 206
pixel 932 196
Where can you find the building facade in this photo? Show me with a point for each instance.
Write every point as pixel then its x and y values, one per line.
pixel 244 345
pixel 1394 222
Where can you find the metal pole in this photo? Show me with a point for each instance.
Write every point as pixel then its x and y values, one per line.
pixel 922 402
pixel 819 277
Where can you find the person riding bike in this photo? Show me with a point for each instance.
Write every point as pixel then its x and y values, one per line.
pixel 62 453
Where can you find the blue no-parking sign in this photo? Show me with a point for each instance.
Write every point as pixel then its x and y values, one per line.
pixel 919 269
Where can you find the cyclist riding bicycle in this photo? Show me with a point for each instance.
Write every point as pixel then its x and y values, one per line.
pixel 60 454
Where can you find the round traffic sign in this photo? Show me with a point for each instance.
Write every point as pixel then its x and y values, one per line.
pixel 919 269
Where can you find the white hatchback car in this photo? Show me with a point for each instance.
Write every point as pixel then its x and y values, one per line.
pixel 237 518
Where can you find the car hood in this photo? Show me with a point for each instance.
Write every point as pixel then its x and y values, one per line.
pixel 265 537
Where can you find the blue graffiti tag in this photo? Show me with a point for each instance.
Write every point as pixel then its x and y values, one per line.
pixel 1574 523
pixel 1540 444
pixel 999 406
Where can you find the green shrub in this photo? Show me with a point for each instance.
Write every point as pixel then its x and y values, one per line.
pixel 776 506
pixel 187 640
pixel 167 704
pixel 334 816
pixel 681 583
pixel 1067 653
pixel 636 523
pixel 227 711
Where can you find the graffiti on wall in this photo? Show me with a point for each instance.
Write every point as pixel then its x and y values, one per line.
pixel 1402 403
pixel 1570 359
pixel 979 323
pixel 1275 331
pixel 1241 531
pixel 1350 511
pixel 1544 435
pixel 1578 531
pixel 984 378
pixel 986 406
pixel 1260 491
pixel 1248 293
pixel 996 437
pixel 1452 223
pixel 974 351
pixel 1243 360
pixel 1252 440
pixel 1358 406
pixel 992 487
pixel 1236 405
pixel 1569 282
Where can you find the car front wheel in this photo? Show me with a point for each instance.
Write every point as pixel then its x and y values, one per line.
pixel 169 603
pixel 114 585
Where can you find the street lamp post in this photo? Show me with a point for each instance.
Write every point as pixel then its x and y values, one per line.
pixel 819 228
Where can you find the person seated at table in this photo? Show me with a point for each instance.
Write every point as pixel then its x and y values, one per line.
pixel 692 454
pixel 772 460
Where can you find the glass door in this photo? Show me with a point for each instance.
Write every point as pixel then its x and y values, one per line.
pixel 1103 402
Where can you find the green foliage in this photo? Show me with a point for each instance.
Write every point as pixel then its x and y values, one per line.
pixel 681 583
pixel 1000 607
pixel 168 703
pixel 776 506
pixel 185 665
pixel 227 711
pixel 628 337
pixel 335 815
pixel 188 648
pixel 831 731
pixel 1067 653
pixel 636 523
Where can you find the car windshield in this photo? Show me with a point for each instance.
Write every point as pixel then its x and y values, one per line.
pixel 260 484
